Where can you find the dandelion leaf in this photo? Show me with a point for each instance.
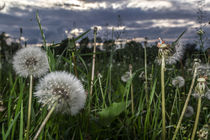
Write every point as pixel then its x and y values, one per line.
pixel 108 114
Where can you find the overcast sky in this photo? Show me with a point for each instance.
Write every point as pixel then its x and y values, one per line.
pixel 138 18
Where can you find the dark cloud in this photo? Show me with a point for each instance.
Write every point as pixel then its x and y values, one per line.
pixel 137 22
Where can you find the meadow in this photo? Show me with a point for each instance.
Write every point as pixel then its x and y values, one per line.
pixel 124 97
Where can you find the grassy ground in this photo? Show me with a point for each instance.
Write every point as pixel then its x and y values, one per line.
pixel 108 112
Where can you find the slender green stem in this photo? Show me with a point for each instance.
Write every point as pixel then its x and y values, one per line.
pixel 29 107
pixel 93 62
pixel 172 108
pixel 197 118
pixel 132 101
pixel 100 85
pixel 145 71
pixel 75 65
pixel 185 105
pixel 163 98
pixel 45 121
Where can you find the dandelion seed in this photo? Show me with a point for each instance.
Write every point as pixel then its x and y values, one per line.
pixel 189 111
pixel 178 81
pixel 125 77
pixel 207 95
pixel 63 88
pixel 30 61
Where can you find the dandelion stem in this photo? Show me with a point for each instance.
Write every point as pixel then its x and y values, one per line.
pixel 163 98
pixel 185 105
pixel 145 70
pixel 197 118
pixel 172 108
pixel 132 101
pixel 93 62
pixel 104 101
pixel 29 107
pixel 45 121
pixel 75 66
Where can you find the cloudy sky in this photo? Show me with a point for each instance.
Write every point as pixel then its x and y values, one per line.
pixel 134 19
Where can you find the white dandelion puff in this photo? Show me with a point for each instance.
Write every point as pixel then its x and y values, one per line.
pixel 178 81
pixel 125 77
pixel 204 69
pixel 30 61
pixel 189 111
pixel 61 88
pixel 172 54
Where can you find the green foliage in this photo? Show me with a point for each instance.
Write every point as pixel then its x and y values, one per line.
pixel 107 115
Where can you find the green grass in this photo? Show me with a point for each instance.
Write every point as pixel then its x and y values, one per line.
pixel 107 114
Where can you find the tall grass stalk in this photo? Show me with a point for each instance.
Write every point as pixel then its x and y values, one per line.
pixel 45 121
pixel 196 119
pixel 110 67
pixel 93 62
pixel 75 65
pixel 132 101
pixel 145 71
pixel 163 98
pixel 186 104
pixel 172 108
pixel 29 107
pixel 100 85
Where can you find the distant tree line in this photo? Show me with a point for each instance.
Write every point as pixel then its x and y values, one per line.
pixel 131 51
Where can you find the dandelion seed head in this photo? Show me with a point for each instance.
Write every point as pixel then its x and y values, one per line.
pixel 63 88
pixel 171 56
pixel 125 77
pixel 30 61
pixel 189 111
pixel 204 70
pixel 178 81
pixel 177 55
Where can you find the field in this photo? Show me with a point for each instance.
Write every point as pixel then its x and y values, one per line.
pixel 125 99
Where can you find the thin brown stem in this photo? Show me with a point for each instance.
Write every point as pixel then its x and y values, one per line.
pixel 163 98
pixel 185 105
pixel 196 119
pixel 93 62
pixel 132 101
pixel 45 121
